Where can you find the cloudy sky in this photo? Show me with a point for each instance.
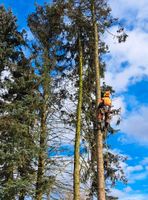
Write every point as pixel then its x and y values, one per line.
pixel 127 72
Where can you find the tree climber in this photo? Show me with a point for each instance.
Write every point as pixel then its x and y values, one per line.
pixel 104 111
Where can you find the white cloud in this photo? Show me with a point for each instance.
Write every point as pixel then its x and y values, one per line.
pixel 134 173
pixel 119 102
pixel 134 51
pixel 129 194
pixel 128 189
pixel 133 11
pixel 145 161
pixel 138 177
pixel 136 168
pixel 135 125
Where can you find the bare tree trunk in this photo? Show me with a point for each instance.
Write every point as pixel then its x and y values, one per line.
pixel 41 159
pixel 100 162
pixel 76 184
pixel 43 132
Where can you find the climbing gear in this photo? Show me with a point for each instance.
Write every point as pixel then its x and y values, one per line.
pixel 104 111
pixel 106 99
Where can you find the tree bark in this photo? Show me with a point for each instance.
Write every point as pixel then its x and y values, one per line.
pixel 99 139
pixel 43 132
pixel 76 184
pixel 41 159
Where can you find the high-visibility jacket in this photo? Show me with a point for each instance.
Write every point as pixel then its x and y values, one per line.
pixel 107 101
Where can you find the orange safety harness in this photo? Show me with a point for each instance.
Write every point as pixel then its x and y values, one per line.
pixel 105 100
pixel 104 108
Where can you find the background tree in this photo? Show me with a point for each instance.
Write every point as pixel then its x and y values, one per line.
pixel 17 112
pixel 46 26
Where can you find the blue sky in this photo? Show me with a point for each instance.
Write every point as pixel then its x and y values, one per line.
pixel 21 9
pixel 127 72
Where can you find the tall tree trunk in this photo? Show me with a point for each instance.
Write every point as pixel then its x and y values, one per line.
pixel 76 184
pixel 41 158
pixel 100 162
pixel 43 135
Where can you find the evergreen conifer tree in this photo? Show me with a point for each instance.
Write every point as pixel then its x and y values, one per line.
pixel 46 26
pixel 17 112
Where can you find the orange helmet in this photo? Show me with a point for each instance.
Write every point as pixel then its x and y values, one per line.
pixel 107 93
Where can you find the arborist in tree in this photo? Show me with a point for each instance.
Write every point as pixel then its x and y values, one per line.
pixel 104 110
